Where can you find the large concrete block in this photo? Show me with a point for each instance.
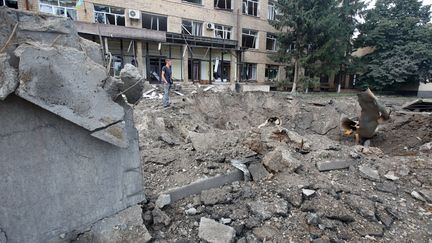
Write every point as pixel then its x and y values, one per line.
pixel 8 77
pixel 57 179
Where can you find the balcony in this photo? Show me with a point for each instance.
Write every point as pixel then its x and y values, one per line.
pixel 201 41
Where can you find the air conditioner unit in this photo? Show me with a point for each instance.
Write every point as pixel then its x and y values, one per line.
pixel 134 14
pixel 210 26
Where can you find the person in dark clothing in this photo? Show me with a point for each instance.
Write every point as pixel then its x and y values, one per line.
pixel 167 81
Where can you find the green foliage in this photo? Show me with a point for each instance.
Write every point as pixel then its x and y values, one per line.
pixel 402 38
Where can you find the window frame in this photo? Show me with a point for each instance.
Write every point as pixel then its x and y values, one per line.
pixel 268 68
pixel 255 41
pixel 4 4
pixel 216 6
pixel 246 67
pixel 271 11
pixel 245 7
pixel 193 22
pixel 188 1
pixel 54 9
pixel 158 17
pixel 226 31
pixel 273 37
pixel 106 20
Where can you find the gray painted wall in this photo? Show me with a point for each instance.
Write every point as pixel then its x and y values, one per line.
pixel 55 178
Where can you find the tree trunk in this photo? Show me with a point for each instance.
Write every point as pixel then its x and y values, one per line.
pixel 296 76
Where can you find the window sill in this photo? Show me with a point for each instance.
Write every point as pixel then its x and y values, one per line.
pixel 193 4
pixel 253 16
pixel 224 9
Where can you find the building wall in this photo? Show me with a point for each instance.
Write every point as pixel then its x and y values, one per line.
pixel 177 10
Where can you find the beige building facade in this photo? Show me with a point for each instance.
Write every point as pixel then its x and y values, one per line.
pixel 208 40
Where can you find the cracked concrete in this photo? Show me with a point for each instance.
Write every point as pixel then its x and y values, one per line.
pixel 3 236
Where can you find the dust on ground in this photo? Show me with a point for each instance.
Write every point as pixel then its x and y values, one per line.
pixel 200 133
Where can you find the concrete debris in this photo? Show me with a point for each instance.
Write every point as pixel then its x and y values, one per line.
pixel 426 148
pixel 191 211
pixel 239 164
pixel 178 93
pixel 419 105
pixel 280 160
pixel 258 171
pixel 418 196
pixel 8 76
pixel 333 165
pixel 313 219
pixel 225 220
pixel 426 194
pixel 160 217
pixel 308 193
pixel 133 83
pixel 215 196
pixel 163 200
pixel 391 176
pixel 214 232
pixel 208 88
pixel 369 173
pixel 388 187
pixel 265 233
pixel 113 86
pixel 115 134
pixel 266 210
pixel 364 207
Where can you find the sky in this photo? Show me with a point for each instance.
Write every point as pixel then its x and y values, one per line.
pixel 372 2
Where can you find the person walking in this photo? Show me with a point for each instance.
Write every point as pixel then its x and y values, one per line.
pixel 167 82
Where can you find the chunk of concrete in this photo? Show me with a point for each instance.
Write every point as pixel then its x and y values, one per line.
pixel 126 226
pixel 418 196
pixel 160 217
pixel 333 165
pixel 280 160
pixel 266 210
pixel 215 196
pixel 113 86
pixel 369 173
pixel 426 148
pixel 115 134
pixel 163 200
pixel 92 49
pixel 65 82
pixel 214 232
pixel 133 86
pixel 8 77
pixel 258 171
pixel 308 192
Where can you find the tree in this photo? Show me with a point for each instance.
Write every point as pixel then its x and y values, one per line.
pixel 399 33
pixel 315 34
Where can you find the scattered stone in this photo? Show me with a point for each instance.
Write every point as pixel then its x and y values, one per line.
pixel 163 200
pixel 369 173
pixel 225 220
pixel 299 140
pixel 386 187
pixel 313 219
pixel 160 217
pixel 266 210
pixel 215 196
pixel 404 170
pixel 8 77
pixel 385 218
pixel 133 83
pixel 265 233
pixel 355 155
pixel 333 165
pixel 214 232
pixel 308 193
pixel 391 176
pixel 113 87
pixel 280 160
pixel 366 228
pixel 191 211
pixel 426 148
pixel 293 196
pixel 168 139
pixel 426 194
pixel 258 171
pixel 417 196
pixel 242 240
pixel 364 207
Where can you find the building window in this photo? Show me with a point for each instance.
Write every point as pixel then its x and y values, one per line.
pixel 250 7
pixel 223 4
pixel 63 8
pixel 190 27
pixel 271 72
pixel 9 3
pixel 223 32
pixel 249 71
pixel 109 15
pixel 271 14
pixel 193 1
pixel 250 38
pixel 154 22
pixel 271 42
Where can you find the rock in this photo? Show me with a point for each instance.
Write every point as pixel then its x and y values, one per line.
pixel 426 194
pixel 386 187
pixel 403 170
pixel 113 87
pixel 426 148
pixel 214 232
pixel 385 218
pixel 333 165
pixel 160 217
pixel 191 211
pixel 366 228
pixel 8 77
pixel 215 196
pixel 114 134
pixel 299 140
pixel 133 83
pixel 258 171
pixel 163 200
pixel 266 210
pixel 417 196
pixel 313 219
pixel 126 226
pixel 391 176
pixel 280 160
pixel 308 193
pixel 63 88
pixel 364 207
pixel 225 220
pixel 167 139
pixel 355 155
pixel 242 240
pixel 295 198
pixel 369 173
pixel 265 233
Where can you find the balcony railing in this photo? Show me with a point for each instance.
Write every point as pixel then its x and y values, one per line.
pixel 201 41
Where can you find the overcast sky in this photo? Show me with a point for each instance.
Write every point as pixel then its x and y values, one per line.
pixel 372 2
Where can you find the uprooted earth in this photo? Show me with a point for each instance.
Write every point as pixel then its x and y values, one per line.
pixel 301 178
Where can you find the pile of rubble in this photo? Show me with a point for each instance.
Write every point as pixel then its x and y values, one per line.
pixel 307 181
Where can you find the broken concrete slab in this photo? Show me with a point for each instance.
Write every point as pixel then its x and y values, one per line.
pixel 420 105
pixel 334 165
pixel 214 232
pixel 114 134
pixel 362 206
pixel 418 196
pixel 426 194
pixel 391 176
pixel 266 210
pixel 126 226
pixel 65 82
pixel 163 200
pixel 93 50
pixel 133 83
pixel 281 159
pixel 113 87
pixel 369 173
pixel 8 77
pixel 258 171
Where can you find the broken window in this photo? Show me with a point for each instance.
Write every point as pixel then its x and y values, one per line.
pixel 271 72
pixel 223 32
pixel 249 71
pixel 271 42
pixel 65 8
pixel 193 1
pixel 9 3
pixel 154 22
pixel 249 38
pixel 271 12
pixel 190 27
pixel 250 7
pixel 109 15
pixel 223 4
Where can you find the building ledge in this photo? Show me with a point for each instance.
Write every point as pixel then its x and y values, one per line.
pixel 200 41
pixel 114 31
